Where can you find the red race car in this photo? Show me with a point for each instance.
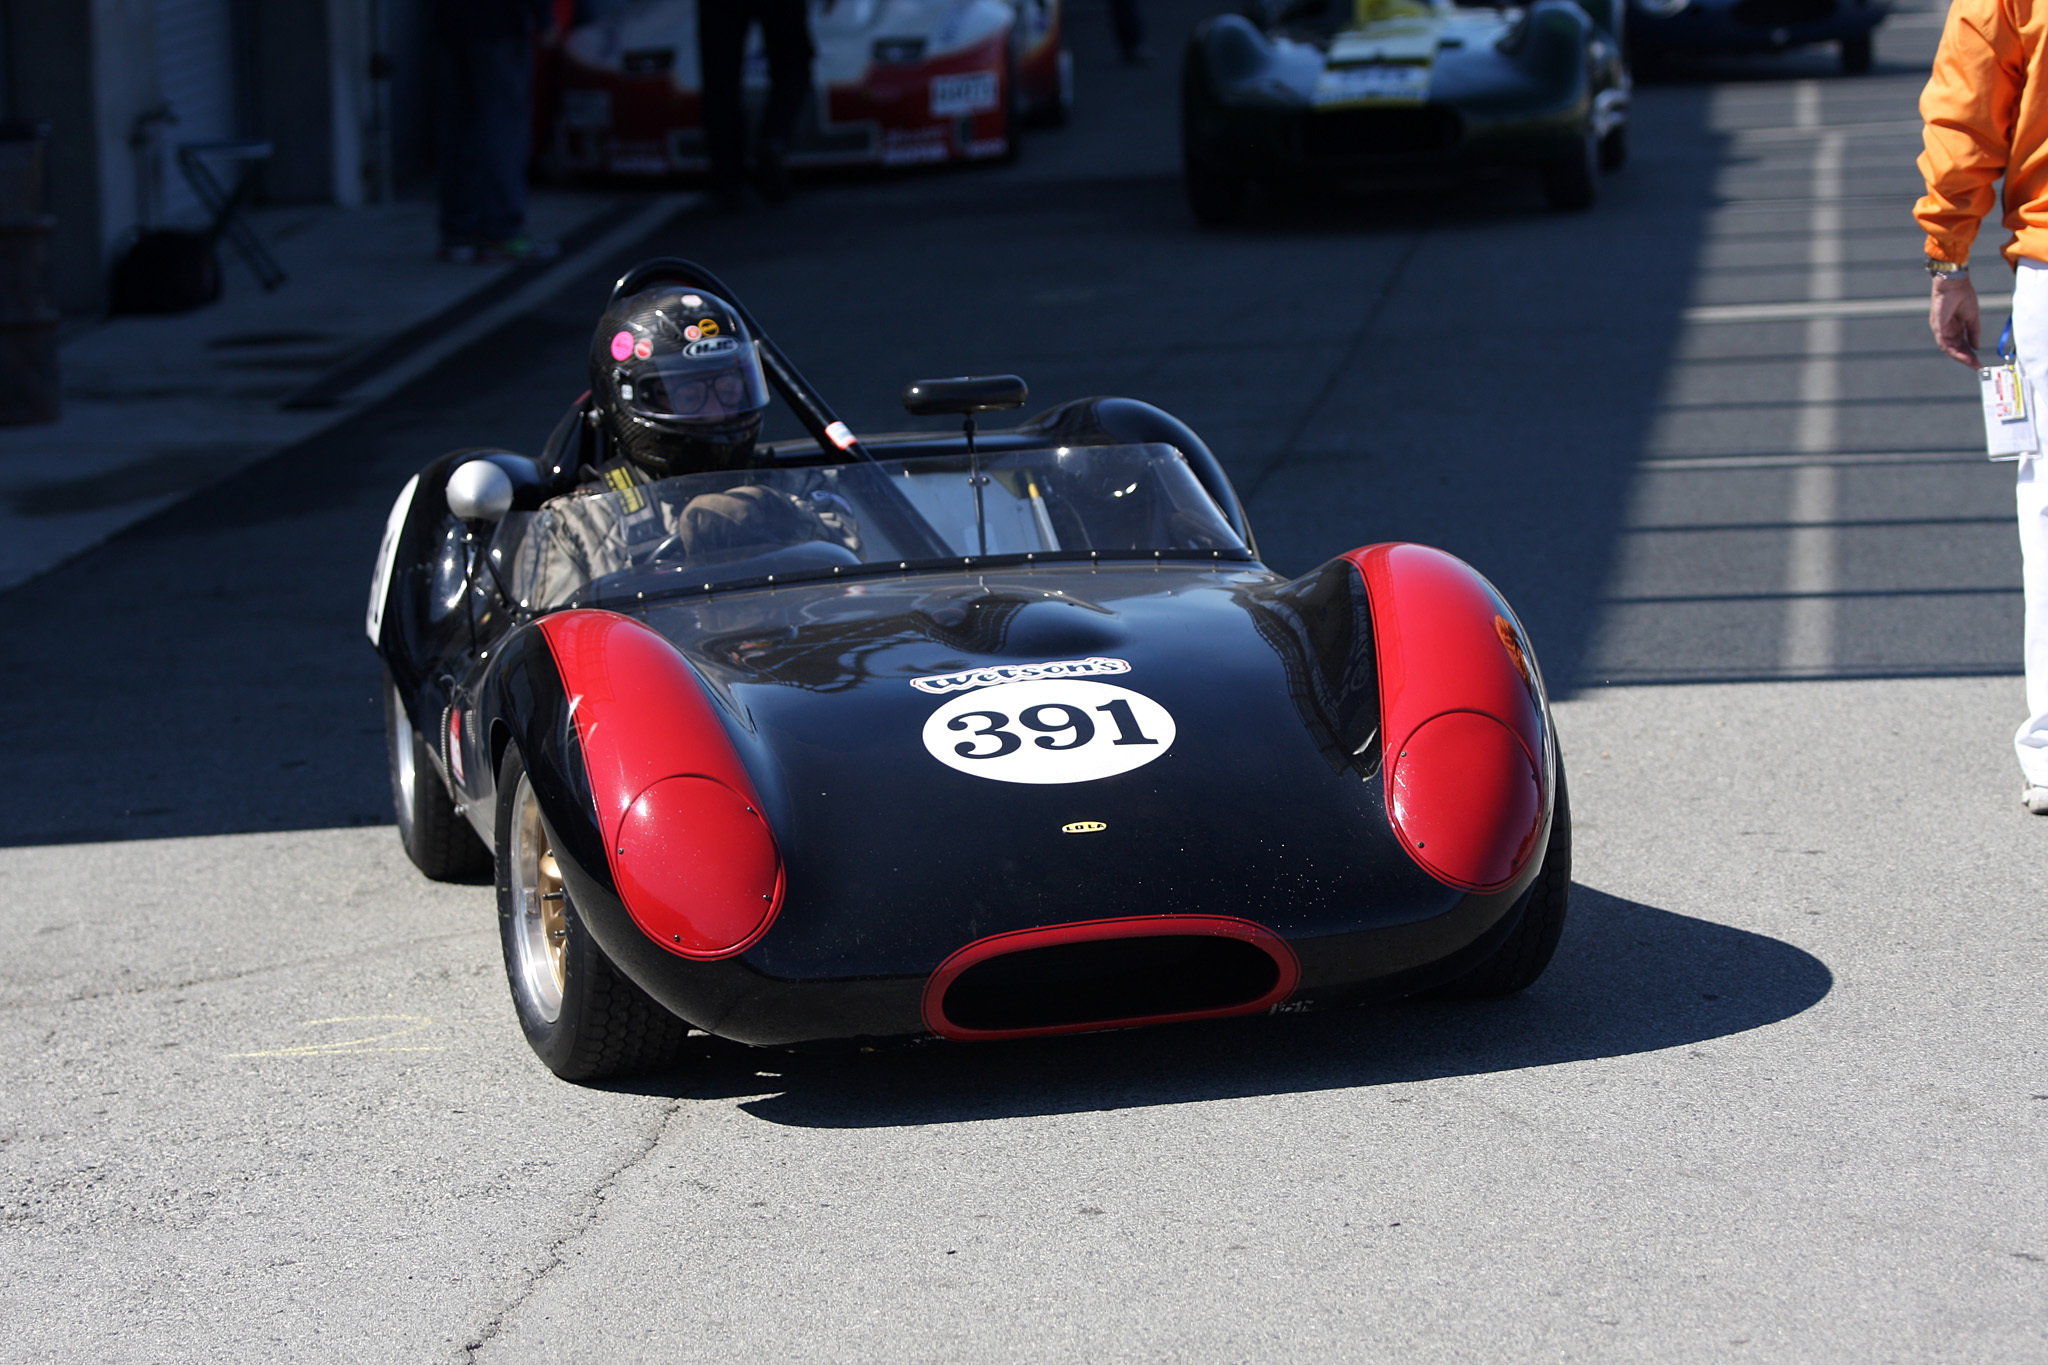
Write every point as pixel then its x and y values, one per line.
pixel 897 82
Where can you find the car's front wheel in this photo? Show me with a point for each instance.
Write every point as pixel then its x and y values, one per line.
pixel 436 837
pixel 1522 956
pixel 580 1015
pixel 1857 54
pixel 1571 182
pixel 1614 148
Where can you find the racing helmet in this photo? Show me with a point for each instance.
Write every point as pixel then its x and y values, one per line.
pixel 677 379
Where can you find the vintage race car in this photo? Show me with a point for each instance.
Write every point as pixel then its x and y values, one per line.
pixel 1013 736
pixel 1326 90
pixel 896 82
pixel 1657 28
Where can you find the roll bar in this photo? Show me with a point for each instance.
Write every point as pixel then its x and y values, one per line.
pixel 831 434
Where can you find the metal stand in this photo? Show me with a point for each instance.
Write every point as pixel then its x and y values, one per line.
pixel 226 204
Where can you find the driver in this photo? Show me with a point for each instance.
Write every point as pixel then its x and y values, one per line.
pixel 676 388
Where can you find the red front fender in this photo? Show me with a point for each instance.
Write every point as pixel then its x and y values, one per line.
pixel 690 852
pixel 1461 717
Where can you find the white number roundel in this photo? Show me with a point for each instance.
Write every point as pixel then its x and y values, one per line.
pixel 1049 730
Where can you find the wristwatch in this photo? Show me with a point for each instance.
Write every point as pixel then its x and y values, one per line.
pixel 1946 270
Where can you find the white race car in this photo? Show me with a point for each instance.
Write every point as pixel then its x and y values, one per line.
pixel 897 83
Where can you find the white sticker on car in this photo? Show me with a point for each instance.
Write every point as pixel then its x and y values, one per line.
pixel 380 577
pixel 1387 83
pixel 943 683
pixel 973 92
pixel 1049 730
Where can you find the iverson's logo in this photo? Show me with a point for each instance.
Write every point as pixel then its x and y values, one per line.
pixel 1005 673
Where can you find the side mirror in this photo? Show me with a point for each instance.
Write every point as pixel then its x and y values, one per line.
pixel 479 491
pixel 965 396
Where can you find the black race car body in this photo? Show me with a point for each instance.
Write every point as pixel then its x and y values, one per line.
pixel 1001 742
pixel 1738 26
pixel 1321 90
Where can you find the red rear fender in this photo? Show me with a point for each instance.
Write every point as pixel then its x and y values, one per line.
pixel 690 852
pixel 1461 717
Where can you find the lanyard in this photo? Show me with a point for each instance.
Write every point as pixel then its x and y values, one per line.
pixel 2005 350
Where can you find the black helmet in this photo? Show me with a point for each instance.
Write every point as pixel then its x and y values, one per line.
pixel 678 380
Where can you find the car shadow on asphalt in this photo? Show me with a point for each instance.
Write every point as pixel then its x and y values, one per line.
pixel 1628 978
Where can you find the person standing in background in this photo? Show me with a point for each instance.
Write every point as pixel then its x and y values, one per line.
pixel 1984 119
pixel 486 91
pixel 721 54
pixel 1129 22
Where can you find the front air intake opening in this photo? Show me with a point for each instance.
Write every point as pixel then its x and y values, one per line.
pixel 1102 982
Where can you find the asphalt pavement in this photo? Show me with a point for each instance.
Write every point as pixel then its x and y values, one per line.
pixel 1781 1096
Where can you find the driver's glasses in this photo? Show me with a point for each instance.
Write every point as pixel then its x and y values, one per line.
pixel 722 394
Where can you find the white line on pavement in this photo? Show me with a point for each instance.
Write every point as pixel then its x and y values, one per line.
pixel 1696 462
pixel 1912 306
pixel 1808 647
pixel 1795 132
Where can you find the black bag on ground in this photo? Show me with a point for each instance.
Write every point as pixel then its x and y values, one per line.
pixel 166 270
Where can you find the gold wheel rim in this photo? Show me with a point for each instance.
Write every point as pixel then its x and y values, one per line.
pixel 540 905
pixel 554 917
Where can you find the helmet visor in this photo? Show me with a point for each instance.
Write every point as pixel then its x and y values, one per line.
pixel 707 381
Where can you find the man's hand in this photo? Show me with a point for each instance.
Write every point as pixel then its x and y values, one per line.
pixel 1952 313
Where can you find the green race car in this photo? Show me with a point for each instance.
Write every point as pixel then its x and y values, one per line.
pixel 1325 90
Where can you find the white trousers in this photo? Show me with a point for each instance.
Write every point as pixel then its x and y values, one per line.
pixel 2030 340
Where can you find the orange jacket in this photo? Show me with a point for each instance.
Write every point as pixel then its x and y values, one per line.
pixel 1986 116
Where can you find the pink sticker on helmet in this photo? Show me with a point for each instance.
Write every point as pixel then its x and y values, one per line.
pixel 691 333
pixel 643 348
pixel 622 345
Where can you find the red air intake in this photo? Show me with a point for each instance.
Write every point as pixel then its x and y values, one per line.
pixel 1102 974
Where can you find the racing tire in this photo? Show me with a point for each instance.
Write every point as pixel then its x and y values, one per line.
pixel 1218 198
pixel 435 835
pixel 1857 55
pixel 1526 951
pixel 1571 183
pixel 581 1017
pixel 1614 148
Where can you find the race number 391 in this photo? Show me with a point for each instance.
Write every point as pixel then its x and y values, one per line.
pixel 1049 730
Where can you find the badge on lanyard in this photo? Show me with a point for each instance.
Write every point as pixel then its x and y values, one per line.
pixel 2008 405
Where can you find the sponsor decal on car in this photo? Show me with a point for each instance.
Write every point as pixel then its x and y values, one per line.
pixel 1380 83
pixel 1049 730
pixel 942 683
pixel 971 92
pixel 911 146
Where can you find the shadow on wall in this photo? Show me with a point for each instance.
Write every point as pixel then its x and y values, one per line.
pixel 1628 978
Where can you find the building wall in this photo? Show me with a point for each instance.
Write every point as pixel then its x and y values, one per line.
pixel 293 72
pixel 196 77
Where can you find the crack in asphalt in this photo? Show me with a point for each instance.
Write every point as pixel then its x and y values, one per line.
pixel 555 1252
pixel 187 983
pixel 1288 447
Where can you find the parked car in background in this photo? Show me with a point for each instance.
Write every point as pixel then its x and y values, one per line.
pixel 1657 28
pixel 899 82
pixel 1322 90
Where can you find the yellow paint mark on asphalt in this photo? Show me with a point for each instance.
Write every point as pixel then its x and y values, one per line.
pixel 414 1022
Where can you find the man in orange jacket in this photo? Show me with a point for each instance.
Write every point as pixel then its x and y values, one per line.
pixel 1986 117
